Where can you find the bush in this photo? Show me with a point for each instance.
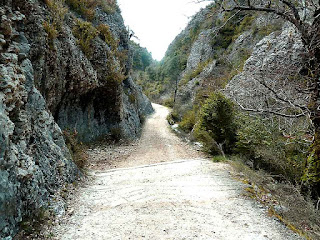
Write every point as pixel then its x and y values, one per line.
pixel 231 30
pixel 216 127
pixel 116 72
pixel 85 33
pixel 188 121
pixel 194 72
pixel 218 158
pixel 54 25
pixel 50 30
pixel 86 8
pixel 58 12
pixel 132 98
pixel 107 36
pixel 173 117
pixel 269 148
pixel 108 6
pixel 266 30
pixel 169 102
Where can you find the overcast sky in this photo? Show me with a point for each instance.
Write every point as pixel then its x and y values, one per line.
pixel 157 22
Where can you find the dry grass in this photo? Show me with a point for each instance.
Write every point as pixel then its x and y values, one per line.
pixel 76 148
pixel 283 200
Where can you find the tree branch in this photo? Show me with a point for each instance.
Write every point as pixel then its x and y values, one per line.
pixel 281 98
pixel 292 16
pixel 262 111
pixel 294 10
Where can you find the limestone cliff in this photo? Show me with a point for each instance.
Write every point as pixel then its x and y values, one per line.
pixel 230 52
pixel 60 69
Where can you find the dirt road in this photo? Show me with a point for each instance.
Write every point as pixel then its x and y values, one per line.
pixel 160 188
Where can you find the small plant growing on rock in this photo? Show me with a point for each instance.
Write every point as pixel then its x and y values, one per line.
pixel 50 30
pixel 58 12
pixel 86 8
pixel 195 72
pixel 107 36
pixel 115 72
pixel 108 6
pixel 85 32
pixel 188 121
pixel 76 148
pixel 54 25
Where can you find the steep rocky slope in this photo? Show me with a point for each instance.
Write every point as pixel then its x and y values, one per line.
pixel 58 72
pixel 216 47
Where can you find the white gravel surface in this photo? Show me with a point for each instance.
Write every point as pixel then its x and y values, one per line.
pixel 161 188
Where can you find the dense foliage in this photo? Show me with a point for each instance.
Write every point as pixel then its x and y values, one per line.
pixel 266 144
pixel 216 126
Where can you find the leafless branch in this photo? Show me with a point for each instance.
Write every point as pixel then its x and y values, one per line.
pixel 264 111
pixel 304 108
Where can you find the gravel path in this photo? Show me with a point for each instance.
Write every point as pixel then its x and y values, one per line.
pixel 160 188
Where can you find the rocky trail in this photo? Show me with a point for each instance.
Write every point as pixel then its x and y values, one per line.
pixel 161 188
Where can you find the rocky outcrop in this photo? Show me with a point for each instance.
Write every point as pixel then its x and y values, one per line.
pixel 270 74
pixel 34 160
pixel 214 60
pixel 49 83
pixel 74 82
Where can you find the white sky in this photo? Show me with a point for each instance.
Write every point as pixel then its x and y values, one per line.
pixel 157 22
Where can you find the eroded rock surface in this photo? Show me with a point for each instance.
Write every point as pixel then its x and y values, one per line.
pixel 48 84
pixel 34 160
pixel 273 64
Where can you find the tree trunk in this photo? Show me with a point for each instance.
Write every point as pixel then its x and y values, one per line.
pixel 175 92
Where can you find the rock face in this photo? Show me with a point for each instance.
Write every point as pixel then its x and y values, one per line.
pixel 48 84
pixel 264 52
pixel 273 64
pixel 34 160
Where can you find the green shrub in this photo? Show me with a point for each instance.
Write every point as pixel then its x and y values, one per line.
pixel 117 60
pixel 85 32
pixel 50 30
pixel 311 175
pixel 188 121
pixel 86 8
pixel 169 102
pixel 231 30
pixel 115 72
pixel 244 25
pixel 194 72
pixel 218 158
pixel 217 127
pixel 173 117
pixel 58 12
pixel 132 98
pixel 261 32
pixel 107 36
pixel 108 6
pixel 54 25
pixel 264 143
